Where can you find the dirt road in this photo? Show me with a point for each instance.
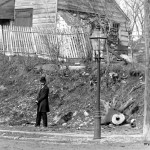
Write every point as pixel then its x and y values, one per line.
pixel 6 144
pixel 29 138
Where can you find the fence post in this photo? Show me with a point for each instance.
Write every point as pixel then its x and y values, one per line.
pixel 11 47
pixel 33 41
pixel 2 27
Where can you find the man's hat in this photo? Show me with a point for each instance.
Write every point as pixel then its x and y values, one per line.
pixel 43 80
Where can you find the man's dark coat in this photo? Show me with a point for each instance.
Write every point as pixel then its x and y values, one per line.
pixel 43 105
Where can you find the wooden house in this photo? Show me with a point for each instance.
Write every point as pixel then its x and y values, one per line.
pixel 28 12
pixel 65 14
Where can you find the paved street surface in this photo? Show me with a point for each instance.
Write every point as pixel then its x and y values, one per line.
pixel 42 140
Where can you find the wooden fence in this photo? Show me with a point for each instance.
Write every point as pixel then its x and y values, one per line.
pixel 45 43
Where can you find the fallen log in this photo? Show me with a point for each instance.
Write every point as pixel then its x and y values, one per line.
pixel 126 105
pixel 113 115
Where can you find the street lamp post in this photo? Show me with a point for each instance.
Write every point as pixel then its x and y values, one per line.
pixel 97 118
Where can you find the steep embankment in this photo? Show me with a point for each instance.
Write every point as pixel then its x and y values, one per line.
pixel 71 92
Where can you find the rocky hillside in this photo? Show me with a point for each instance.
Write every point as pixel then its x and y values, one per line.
pixel 72 92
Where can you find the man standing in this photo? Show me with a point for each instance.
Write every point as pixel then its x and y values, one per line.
pixel 42 103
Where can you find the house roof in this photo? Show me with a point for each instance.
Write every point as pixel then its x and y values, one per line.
pixel 7 9
pixel 94 6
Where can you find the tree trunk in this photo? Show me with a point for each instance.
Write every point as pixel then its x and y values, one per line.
pixel 111 110
pixel 146 126
pixel 126 105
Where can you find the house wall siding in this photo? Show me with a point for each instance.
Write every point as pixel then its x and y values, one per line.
pixel 44 11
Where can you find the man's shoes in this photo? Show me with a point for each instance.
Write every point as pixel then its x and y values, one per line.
pixel 37 126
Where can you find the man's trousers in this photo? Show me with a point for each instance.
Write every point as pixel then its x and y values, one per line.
pixel 43 116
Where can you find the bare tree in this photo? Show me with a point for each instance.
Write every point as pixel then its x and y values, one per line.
pixel 136 15
pixel 135 11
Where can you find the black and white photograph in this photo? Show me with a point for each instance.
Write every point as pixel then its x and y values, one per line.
pixel 75 74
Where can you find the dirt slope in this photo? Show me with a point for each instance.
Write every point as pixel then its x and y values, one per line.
pixel 70 91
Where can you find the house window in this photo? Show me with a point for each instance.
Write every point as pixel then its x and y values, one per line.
pixel 116 26
pixel 23 17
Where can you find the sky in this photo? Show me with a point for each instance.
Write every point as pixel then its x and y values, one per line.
pixel 121 3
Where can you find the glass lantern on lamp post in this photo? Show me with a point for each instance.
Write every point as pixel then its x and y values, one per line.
pixel 97 55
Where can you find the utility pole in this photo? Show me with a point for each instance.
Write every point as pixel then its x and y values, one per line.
pixel 146 126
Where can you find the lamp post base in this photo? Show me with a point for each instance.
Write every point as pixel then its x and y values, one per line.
pixel 97 125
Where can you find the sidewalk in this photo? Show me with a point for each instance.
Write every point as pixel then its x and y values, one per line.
pixel 73 137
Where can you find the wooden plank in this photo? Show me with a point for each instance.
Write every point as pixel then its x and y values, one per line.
pixel 18 40
pixel 81 43
pixel 46 16
pixel 10 39
pixel 124 38
pixel 47 8
pixel 32 3
pixel 43 11
pixel 124 43
pixel 27 40
pixel 73 50
pixel 124 33
pixel 4 41
pixel 37 40
pixel 44 20
pixel 82 37
pixel 13 40
pixel 69 43
pixel 85 46
pixel 2 38
pixel 33 41
pixel 75 44
pixel 7 40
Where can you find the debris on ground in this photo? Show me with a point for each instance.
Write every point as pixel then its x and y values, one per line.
pixel 73 92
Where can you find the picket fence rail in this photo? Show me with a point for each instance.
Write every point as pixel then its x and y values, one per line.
pixel 44 42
